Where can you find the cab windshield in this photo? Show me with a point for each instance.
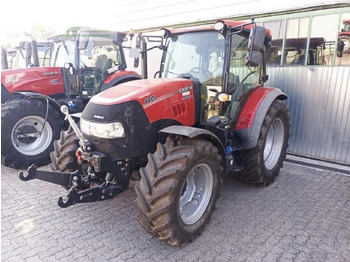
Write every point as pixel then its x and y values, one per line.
pixel 198 54
pixel 100 52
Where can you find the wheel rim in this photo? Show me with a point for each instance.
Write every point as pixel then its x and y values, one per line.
pixel 274 143
pixel 196 193
pixel 346 42
pixel 26 137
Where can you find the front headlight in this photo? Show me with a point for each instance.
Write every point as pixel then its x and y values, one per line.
pixel 103 130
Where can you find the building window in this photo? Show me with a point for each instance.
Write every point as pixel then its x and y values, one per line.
pixel 343 45
pixel 322 40
pixel 275 52
pixel 296 41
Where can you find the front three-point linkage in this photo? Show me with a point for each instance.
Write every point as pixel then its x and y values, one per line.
pixel 83 187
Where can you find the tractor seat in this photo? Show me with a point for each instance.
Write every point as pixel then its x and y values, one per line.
pixel 103 63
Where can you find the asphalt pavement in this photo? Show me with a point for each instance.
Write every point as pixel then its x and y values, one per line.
pixel 303 216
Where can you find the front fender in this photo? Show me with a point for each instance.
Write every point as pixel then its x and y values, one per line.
pixel 193 132
pixel 249 126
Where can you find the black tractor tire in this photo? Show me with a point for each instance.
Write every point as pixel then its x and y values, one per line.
pixel 63 158
pixel 167 184
pixel 28 116
pixel 263 163
pixel 346 40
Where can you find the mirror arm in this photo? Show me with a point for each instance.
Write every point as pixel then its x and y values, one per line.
pixel 144 51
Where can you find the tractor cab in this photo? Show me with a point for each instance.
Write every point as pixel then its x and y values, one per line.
pixel 216 61
pixel 346 26
pixel 87 57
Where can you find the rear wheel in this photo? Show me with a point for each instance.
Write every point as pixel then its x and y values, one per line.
pixel 26 138
pixel 178 189
pixel 263 163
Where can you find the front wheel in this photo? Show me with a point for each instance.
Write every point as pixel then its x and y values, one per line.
pixel 263 163
pixel 26 138
pixel 178 189
pixel 63 158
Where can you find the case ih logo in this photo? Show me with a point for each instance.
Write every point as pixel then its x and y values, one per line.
pixel 185 89
pixel 50 73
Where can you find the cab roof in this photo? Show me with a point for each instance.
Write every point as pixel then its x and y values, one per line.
pixel 72 32
pixel 201 28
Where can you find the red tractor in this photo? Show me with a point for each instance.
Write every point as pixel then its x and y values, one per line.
pixel 344 39
pixel 83 63
pixel 165 129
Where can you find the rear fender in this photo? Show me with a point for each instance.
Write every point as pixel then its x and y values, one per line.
pixel 118 78
pixel 251 118
pixel 44 98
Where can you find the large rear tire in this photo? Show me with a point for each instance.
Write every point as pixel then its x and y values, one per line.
pixel 25 136
pixel 263 163
pixel 178 189
pixel 63 158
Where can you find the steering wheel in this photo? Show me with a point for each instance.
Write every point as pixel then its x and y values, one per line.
pixel 203 74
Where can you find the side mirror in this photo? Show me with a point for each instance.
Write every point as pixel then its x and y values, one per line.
pixel 28 50
pixel 256 38
pixel 255 46
pixel 137 56
pixel 4 61
pixel 253 58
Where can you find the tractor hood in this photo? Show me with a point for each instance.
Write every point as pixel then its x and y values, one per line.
pixel 43 80
pixel 142 107
pixel 159 98
pixel 145 91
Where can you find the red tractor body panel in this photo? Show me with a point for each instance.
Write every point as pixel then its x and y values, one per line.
pixel 117 74
pixel 247 115
pixel 345 32
pixel 161 98
pixel 43 80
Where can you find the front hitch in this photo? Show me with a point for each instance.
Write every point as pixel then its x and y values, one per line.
pixel 82 187
pixel 102 192
pixel 58 178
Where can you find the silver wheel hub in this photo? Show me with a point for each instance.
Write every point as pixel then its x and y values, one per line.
pixel 30 136
pixel 196 193
pixel 274 143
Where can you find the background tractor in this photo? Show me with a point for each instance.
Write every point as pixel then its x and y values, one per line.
pixel 344 39
pixel 83 62
pixel 165 129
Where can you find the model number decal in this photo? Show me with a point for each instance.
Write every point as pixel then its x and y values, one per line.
pixel 150 99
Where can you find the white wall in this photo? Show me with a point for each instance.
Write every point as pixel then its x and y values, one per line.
pixel 142 14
